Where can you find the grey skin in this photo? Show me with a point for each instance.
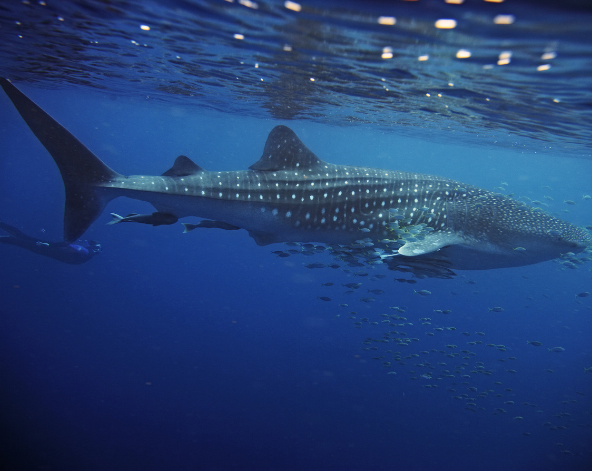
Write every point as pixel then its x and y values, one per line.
pixel 290 195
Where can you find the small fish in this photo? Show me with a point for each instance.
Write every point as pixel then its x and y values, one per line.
pixel 556 349
pixel 155 219
pixel 315 265
pixel 584 294
pixel 327 284
pixel 570 202
pixel 367 300
pixel 534 343
pixel 519 249
pixel 423 292
pixel 323 298
pixel 352 285
pixel 496 309
pixel 376 291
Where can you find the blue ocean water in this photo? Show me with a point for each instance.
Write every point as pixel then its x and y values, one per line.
pixel 204 351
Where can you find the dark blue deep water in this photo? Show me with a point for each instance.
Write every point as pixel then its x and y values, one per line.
pixel 204 351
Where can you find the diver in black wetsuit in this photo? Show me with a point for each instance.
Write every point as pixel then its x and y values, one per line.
pixel 74 254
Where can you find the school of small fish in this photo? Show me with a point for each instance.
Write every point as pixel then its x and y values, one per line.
pixel 410 343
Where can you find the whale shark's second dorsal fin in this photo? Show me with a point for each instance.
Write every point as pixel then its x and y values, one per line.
pixel 285 151
pixel 183 167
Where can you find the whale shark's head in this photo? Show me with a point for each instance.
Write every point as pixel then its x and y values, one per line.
pixel 575 237
pixel 555 242
pixel 505 233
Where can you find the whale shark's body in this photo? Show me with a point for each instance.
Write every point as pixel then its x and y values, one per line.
pixel 290 195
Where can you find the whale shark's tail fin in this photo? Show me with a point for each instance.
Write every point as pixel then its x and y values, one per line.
pixel 81 170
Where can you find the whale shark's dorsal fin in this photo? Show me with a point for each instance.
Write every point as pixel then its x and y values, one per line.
pixel 183 167
pixel 285 151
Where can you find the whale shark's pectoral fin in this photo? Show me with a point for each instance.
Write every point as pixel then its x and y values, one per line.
pixel 264 238
pixel 431 243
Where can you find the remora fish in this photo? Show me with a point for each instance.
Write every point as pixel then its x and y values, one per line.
pixel 290 195
pixel 154 219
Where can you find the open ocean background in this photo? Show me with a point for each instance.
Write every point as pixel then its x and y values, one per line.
pixel 203 351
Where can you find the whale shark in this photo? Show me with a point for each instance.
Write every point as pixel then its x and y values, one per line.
pixel 429 223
